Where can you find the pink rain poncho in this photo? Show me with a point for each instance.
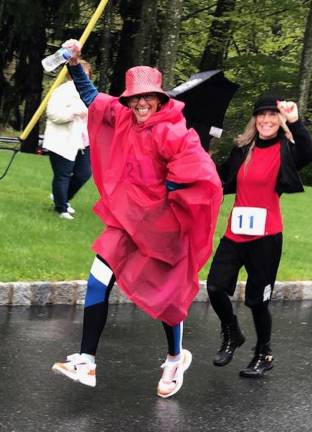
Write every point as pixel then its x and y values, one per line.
pixel 155 241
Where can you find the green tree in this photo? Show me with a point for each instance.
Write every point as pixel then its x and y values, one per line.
pixel 169 40
pixel 305 73
pixel 219 36
pixel 130 11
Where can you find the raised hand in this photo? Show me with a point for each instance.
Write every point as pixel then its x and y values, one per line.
pixel 75 47
pixel 289 110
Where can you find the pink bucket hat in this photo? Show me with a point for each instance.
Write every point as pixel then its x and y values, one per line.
pixel 142 79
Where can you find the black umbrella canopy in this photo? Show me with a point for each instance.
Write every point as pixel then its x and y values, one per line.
pixel 206 96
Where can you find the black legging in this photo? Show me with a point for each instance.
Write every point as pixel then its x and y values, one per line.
pixel 261 314
pixel 94 320
pixel 263 323
pixel 95 317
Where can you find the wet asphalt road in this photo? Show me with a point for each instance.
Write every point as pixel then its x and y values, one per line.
pixel 33 399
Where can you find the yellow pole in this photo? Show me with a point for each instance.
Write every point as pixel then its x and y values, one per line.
pixel 61 75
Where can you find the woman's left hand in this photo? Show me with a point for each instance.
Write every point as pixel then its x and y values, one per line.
pixel 289 110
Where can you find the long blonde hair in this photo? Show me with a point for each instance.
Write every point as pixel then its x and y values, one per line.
pixel 250 132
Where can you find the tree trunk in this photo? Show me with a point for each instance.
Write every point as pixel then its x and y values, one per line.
pixel 35 45
pixel 218 37
pixel 105 49
pixel 144 36
pixel 33 98
pixel 169 41
pixel 131 14
pixel 305 72
pixel 7 63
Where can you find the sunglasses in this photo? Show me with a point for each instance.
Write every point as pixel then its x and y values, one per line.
pixel 148 97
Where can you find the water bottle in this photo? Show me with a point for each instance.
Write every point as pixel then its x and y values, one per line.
pixel 54 60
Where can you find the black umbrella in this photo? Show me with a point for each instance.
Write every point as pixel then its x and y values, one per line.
pixel 206 96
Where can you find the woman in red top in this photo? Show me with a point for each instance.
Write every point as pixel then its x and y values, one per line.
pixel 262 166
pixel 159 199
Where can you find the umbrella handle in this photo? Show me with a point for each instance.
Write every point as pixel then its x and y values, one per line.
pixel 59 79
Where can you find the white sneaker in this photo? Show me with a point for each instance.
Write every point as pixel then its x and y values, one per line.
pixel 172 377
pixel 78 367
pixel 66 215
pixel 70 209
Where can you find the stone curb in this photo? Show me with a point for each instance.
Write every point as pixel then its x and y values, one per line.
pixel 73 292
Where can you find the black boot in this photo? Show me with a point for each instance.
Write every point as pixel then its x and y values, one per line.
pixel 261 362
pixel 232 339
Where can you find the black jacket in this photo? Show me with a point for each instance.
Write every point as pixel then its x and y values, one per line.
pixel 293 158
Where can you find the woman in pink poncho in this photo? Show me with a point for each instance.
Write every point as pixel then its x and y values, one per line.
pixel 159 200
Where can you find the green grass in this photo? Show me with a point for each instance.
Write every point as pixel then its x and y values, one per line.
pixel 36 244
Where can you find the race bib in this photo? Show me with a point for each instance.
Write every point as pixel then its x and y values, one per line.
pixel 248 220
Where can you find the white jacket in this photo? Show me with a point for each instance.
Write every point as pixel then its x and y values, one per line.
pixel 66 129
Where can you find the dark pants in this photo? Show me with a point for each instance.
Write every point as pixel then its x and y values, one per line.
pixel 68 177
pixel 261 260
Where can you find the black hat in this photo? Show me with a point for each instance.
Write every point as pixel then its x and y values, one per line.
pixel 266 102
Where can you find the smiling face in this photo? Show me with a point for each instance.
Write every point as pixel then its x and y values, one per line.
pixel 267 124
pixel 144 105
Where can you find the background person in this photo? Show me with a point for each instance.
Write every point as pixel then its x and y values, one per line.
pixel 66 138
pixel 159 199
pixel 262 166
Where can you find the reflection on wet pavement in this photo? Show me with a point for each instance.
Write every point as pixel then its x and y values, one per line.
pixel 129 357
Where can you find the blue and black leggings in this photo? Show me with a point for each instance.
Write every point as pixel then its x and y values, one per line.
pixel 100 283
